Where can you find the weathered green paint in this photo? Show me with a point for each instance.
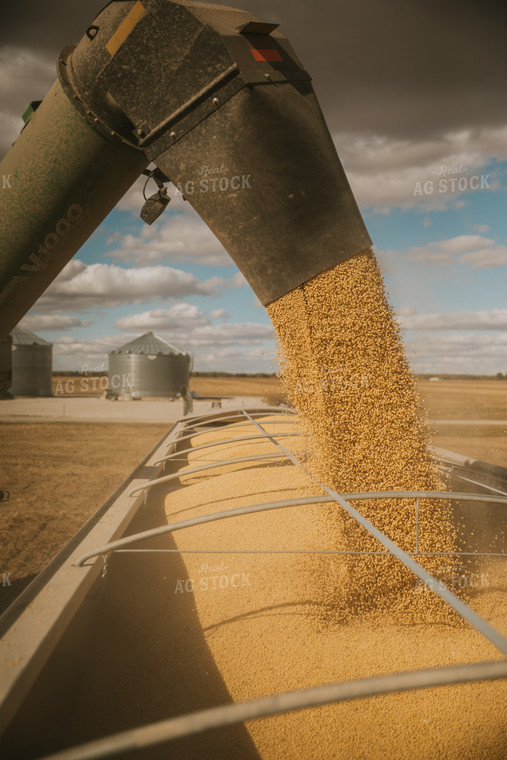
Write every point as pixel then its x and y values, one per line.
pixel 29 112
pixel 60 179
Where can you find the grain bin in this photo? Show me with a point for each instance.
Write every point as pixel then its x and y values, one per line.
pixel 148 366
pixel 32 364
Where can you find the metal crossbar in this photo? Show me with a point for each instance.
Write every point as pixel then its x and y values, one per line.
pixel 343 552
pixel 226 427
pixel 270 412
pixel 288 503
pixel 490 633
pixel 178 453
pixel 201 468
pixel 227 715
pixel 473 482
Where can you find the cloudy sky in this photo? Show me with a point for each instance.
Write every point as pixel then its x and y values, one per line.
pixel 414 96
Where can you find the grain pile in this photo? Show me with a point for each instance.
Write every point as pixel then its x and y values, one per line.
pixel 344 369
pixel 182 632
pixel 260 617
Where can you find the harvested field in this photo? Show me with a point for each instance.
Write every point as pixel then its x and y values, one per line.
pixel 485 442
pixel 58 475
pixel 464 399
pixel 263 387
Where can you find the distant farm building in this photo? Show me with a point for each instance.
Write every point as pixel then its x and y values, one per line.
pixel 32 364
pixel 148 366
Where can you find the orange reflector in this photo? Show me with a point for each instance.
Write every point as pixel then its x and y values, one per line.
pixel 266 55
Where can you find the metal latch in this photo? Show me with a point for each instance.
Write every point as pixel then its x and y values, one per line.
pixel 158 202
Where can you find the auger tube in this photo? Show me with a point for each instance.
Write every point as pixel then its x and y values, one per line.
pixel 222 105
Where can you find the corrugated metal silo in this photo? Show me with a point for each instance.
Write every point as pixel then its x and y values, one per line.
pixel 32 364
pixel 148 366
pixel 5 365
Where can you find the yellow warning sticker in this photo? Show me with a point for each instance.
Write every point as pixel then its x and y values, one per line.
pixel 125 28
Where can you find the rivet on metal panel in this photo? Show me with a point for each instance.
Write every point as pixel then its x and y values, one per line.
pixel 215 101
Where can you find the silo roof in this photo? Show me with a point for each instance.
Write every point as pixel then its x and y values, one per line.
pixel 149 344
pixel 22 337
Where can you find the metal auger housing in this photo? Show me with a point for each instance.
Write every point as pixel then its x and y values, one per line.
pixel 222 105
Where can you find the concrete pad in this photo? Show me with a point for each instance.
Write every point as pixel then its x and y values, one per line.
pixel 95 409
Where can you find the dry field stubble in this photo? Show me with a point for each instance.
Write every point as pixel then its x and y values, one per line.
pixel 468 400
pixel 485 442
pixel 464 399
pixel 445 400
pixel 263 387
pixel 58 474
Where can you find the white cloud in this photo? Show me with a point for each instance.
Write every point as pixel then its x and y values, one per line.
pixel 248 333
pixel 181 316
pixel 240 347
pixel 41 322
pixel 24 76
pixel 134 197
pixel 456 353
pixel 81 287
pixel 238 280
pixel 494 319
pixel 228 359
pixel 384 172
pixel 10 127
pixel 245 347
pixel 237 350
pixel 490 255
pixel 179 235
pixel 219 314
pixel 182 237
pixel 72 354
pixel 480 252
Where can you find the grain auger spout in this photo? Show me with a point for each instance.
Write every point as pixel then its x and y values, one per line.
pixel 221 104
